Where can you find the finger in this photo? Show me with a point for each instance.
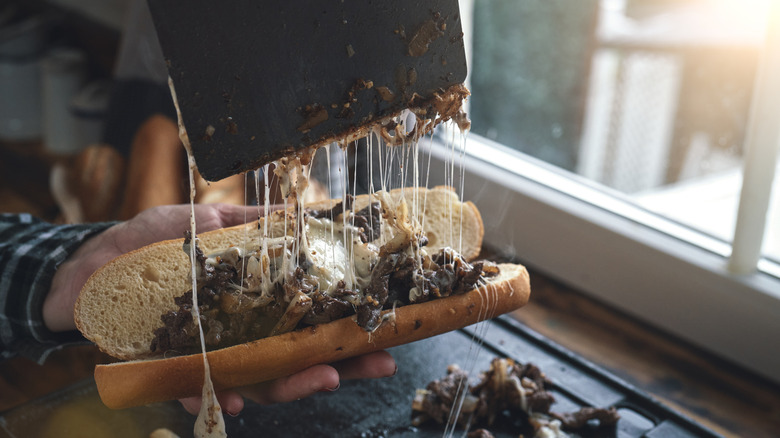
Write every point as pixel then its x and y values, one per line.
pixel 299 385
pixel 369 366
pixel 230 215
pixel 213 216
pixel 231 403
pixel 191 404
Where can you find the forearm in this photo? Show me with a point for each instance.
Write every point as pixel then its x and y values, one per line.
pixel 31 251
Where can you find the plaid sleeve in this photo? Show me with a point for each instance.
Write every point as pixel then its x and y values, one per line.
pixel 31 250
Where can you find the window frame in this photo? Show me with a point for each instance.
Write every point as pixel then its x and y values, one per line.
pixel 587 237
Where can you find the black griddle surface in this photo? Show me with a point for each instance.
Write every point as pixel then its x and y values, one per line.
pixel 382 407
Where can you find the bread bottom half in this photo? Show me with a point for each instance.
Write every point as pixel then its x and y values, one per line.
pixel 126 384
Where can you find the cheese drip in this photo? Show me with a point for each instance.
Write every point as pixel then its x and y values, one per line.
pixel 210 422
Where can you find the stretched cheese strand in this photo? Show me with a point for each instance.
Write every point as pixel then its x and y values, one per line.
pixel 416 206
pixel 427 176
pixel 451 181
pixel 330 194
pixel 302 183
pixel 370 155
pixel 462 390
pixel 265 261
pixel 210 422
pixel 462 185
pixel 349 272
pixel 285 257
pixel 246 234
pixel 260 216
pixel 489 299
pixel 293 177
pixel 351 252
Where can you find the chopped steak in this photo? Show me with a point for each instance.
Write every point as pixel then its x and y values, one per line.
pixel 578 419
pixel 449 274
pixel 298 282
pixel 231 314
pixel 368 221
pixel 508 387
pixel 480 433
pixel 370 309
pixel 326 308
pixel 177 333
pixel 334 211
pixel 396 274
pixel 229 317
pixel 444 393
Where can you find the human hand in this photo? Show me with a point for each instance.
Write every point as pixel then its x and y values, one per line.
pixel 150 226
pixel 169 222
pixel 319 378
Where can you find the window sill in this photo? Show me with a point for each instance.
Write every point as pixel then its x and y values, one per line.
pixel 621 255
pixel 716 394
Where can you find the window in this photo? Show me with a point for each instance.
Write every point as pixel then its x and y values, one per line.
pixel 608 145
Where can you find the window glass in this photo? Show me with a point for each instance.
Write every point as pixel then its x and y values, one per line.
pixel 771 246
pixel 646 97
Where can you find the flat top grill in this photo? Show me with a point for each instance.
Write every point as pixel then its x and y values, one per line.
pixel 382 408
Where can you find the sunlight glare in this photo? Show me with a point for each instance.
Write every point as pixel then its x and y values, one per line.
pixel 746 15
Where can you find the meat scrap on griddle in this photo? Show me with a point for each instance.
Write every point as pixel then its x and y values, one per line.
pixel 507 387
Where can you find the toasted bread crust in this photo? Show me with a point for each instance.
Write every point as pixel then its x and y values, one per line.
pixel 128 384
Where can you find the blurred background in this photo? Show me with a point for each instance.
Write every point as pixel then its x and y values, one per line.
pixel 87 125
pixel 646 99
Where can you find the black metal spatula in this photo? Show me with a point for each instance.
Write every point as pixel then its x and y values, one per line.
pixel 257 79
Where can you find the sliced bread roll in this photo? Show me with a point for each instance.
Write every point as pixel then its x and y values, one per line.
pixel 120 306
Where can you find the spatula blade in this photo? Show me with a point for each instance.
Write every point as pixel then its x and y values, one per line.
pixel 256 80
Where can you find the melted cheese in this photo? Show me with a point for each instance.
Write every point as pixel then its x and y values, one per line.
pixel 327 253
pixel 327 256
pixel 210 422
pixel 334 247
pixel 333 251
